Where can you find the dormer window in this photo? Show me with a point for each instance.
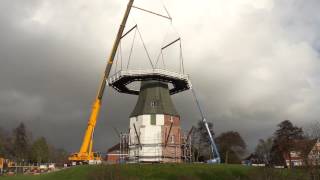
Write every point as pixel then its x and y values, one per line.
pixel 154 103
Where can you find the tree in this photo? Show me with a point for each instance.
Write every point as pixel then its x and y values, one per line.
pixel 231 146
pixel 40 151
pixel 16 146
pixel 263 150
pixel 6 145
pixel 59 156
pixel 283 141
pixel 313 131
pixel 201 141
pixel 2 149
pixel 20 142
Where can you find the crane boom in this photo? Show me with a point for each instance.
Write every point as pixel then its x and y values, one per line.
pixel 85 153
pixel 214 149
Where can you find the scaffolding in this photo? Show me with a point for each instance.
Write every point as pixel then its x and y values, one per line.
pixel 186 147
pixel 172 153
pixel 124 147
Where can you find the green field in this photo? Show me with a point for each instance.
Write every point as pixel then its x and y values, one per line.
pixel 168 171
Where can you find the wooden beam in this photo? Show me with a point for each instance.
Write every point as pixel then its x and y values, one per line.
pixel 166 142
pixel 189 133
pixel 138 137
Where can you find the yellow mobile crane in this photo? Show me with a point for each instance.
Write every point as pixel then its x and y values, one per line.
pixel 85 154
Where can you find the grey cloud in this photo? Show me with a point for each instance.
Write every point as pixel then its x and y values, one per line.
pixel 252 63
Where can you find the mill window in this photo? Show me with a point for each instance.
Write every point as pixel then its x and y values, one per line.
pixel 172 139
pixel 154 103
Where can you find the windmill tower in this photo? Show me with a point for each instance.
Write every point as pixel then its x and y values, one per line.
pixel 154 128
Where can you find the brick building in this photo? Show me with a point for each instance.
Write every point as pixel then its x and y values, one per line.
pixel 303 152
pixel 113 154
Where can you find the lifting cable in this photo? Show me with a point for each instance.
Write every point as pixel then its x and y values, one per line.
pixel 132 44
pixel 167 16
pixel 181 63
pixel 119 51
pixel 164 65
pixel 145 48
pixel 156 65
pixel 135 27
pixel 120 46
pixel 117 59
pixel 164 7
pixel 160 55
pixel 162 44
pixel 181 58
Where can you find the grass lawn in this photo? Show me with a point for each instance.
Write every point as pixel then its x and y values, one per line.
pixel 168 171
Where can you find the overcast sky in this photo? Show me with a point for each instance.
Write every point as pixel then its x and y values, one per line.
pixel 253 64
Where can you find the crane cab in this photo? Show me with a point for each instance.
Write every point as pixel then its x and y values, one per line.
pixel 85 158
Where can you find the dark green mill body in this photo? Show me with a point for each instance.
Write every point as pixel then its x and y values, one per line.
pixel 154 98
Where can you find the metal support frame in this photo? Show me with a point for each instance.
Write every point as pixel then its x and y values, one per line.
pixel 135 26
pixel 154 13
pixel 170 43
pixel 124 148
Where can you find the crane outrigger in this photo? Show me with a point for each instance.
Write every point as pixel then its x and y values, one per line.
pixel 85 154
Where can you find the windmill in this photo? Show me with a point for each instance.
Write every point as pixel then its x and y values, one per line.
pixel 154 128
